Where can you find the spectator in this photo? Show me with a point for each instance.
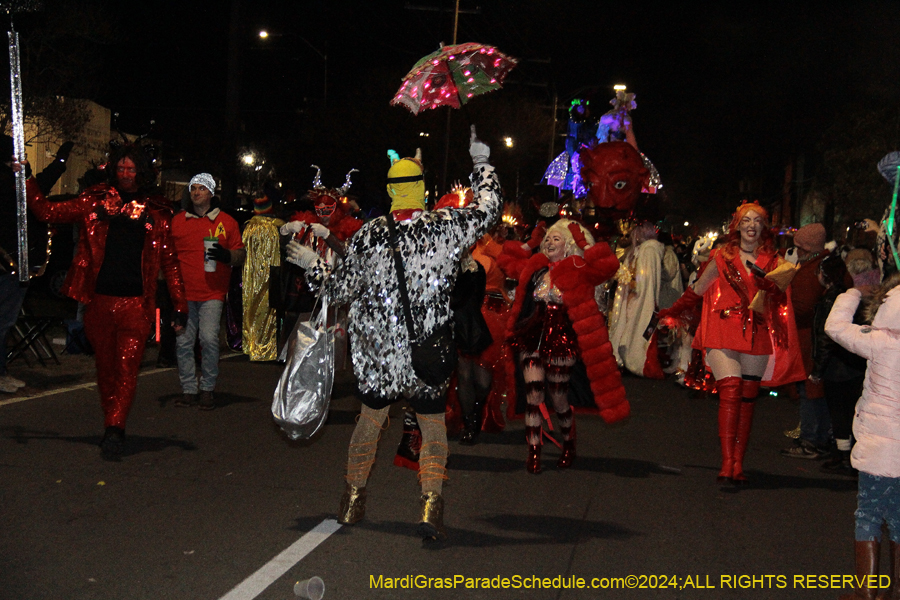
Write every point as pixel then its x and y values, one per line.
pixel 838 369
pixel 876 427
pixel 205 287
pixel 815 422
pixel 862 267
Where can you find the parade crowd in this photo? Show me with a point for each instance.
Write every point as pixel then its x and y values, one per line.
pixel 511 320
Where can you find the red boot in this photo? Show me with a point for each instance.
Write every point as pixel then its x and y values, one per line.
pixel 745 423
pixel 729 411
pixel 866 566
pixel 568 453
pixel 893 592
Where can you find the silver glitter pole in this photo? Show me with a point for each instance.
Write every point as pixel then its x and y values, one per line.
pixel 15 86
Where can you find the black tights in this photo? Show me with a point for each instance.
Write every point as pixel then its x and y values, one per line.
pixel 473 384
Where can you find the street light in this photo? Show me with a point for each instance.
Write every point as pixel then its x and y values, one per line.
pixel 620 87
pixel 248 159
pixel 508 141
pixel 265 34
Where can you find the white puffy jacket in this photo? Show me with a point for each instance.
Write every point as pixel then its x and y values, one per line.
pixel 876 424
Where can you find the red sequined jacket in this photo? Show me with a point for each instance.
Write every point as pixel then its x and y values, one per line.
pixel 576 278
pixel 87 211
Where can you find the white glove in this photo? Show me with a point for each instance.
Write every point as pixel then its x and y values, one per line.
pixel 301 255
pixel 320 231
pixel 478 150
pixel 292 227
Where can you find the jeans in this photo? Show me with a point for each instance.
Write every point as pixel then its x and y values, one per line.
pixel 815 419
pixel 11 296
pixel 878 500
pixel 205 318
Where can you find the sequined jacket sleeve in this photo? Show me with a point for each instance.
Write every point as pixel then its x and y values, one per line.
pixel 68 211
pixel 431 245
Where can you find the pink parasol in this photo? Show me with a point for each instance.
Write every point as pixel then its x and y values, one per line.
pixel 453 75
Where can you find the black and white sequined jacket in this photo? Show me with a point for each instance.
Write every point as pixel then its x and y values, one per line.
pixel 431 245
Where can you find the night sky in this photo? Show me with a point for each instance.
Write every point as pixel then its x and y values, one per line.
pixel 726 92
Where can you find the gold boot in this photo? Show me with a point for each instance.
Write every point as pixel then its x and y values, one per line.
pixel 353 505
pixel 431 526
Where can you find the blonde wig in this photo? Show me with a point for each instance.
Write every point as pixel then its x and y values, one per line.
pixel 562 227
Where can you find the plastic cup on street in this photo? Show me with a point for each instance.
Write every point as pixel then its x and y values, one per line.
pixel 312 588
pixel 209 265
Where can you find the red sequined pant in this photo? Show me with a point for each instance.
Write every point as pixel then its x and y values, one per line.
pixel 117 328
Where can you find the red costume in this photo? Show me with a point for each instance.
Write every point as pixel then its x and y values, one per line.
pixel 746 317
pixel 117 326
pixel 332 210
pixel 554 321
pixel 729 323
pixel 576 278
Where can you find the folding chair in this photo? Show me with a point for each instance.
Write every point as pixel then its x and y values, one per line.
pixel 29 335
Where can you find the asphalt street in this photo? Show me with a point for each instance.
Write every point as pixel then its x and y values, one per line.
pixel 220 504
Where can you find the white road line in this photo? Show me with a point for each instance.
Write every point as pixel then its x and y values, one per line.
pixel 254 585
pixel 83 386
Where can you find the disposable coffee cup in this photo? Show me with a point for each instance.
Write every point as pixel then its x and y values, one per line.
pixel 209 265
pixel 311 589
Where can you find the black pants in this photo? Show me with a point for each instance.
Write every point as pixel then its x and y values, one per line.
pixel 841 397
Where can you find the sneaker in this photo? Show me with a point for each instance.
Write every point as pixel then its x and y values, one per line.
pixel 839 464
pixel 804 450
pixel 207 402
pixel 794 434
pixel 8 387
pixel 186 400
pixel 12 380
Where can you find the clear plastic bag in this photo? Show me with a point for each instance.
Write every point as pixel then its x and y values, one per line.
pixel 300 403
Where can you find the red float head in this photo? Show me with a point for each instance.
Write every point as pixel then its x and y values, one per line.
pixel 613 174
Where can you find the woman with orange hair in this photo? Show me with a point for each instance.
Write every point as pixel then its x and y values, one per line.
pixel 747 316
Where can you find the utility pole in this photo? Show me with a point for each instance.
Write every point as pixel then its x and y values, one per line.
pixel 456 11
pixel 232 105
pixel 449 113
pixel 552 151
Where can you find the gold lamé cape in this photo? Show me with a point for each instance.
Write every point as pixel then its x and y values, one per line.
pixel 260 339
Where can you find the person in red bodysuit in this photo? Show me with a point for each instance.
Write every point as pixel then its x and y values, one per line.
pixel 125 241
pixel 747 317
pixel 555 321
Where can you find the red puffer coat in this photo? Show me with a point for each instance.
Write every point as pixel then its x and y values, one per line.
pixel 576 278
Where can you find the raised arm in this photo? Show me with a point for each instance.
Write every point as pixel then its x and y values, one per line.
pixel 858 339
pixel 68 211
